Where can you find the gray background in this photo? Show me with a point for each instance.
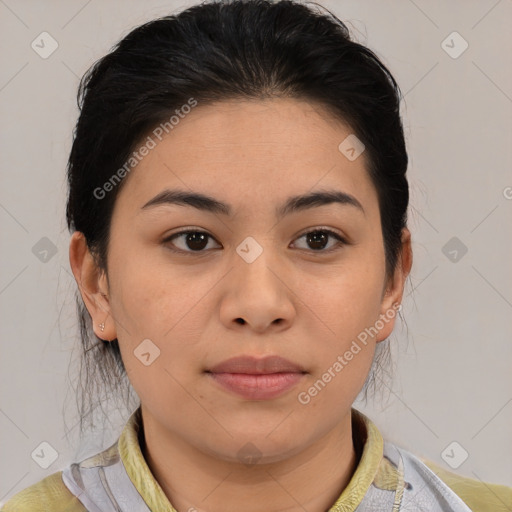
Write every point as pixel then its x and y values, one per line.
pixel 452 365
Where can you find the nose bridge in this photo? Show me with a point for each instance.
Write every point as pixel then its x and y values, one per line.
pixel 256 261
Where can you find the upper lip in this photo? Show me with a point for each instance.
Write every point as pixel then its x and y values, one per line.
pixel 257 366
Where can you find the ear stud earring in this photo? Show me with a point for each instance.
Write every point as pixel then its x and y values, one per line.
pixel 102 326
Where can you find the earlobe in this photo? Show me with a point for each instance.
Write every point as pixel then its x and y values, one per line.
pixel 392 299
pixel 93 286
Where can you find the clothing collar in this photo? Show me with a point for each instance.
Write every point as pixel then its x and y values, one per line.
pixel 371 467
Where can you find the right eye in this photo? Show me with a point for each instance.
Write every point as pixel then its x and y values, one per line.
pixel 191 241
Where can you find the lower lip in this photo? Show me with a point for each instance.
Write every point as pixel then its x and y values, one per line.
pixel 257 387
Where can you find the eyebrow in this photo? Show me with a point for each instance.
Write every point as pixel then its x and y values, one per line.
pixel 292 204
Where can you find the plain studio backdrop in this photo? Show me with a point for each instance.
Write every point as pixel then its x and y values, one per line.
pixel 450 398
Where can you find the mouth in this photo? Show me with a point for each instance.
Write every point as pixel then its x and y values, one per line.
pixel 257 378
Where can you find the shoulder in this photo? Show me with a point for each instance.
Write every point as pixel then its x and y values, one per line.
pixel 427 486
pixel 48 495
pixel 479 496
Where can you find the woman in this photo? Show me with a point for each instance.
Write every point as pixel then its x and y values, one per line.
pixel 237 203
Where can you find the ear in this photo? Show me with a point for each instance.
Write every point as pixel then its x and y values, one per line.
pixel 394 288
pixel 93 285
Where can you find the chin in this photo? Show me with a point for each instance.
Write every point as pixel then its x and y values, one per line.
pixel 257 448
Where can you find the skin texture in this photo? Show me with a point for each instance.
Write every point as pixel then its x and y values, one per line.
pixel 297 302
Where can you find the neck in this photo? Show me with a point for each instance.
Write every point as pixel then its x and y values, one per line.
pixel 310 480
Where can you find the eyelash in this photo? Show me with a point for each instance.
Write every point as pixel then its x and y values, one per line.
pixel 341 241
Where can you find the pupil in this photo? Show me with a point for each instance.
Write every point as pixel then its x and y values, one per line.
pixel 318 239
pixel 196 241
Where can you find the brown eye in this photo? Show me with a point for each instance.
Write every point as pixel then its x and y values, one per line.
pixel 190 241
pixel 317 240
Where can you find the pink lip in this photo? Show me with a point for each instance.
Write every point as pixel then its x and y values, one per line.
pixel 257 378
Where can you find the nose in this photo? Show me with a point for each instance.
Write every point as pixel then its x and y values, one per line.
pixel 258 296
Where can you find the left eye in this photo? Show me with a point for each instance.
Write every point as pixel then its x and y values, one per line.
pixel 197 241
pixel 318 239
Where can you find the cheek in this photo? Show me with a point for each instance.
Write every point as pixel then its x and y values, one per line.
pixel 163 303
pixel 333 391
pixel 149 294
pixel 347 300
pixel 152 304
pixel 348 309
pixel 344 312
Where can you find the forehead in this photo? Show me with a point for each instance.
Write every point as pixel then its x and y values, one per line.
pixel 260 148
pixel 288 128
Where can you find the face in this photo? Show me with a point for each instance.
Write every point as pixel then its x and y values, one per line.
pixel 203 282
